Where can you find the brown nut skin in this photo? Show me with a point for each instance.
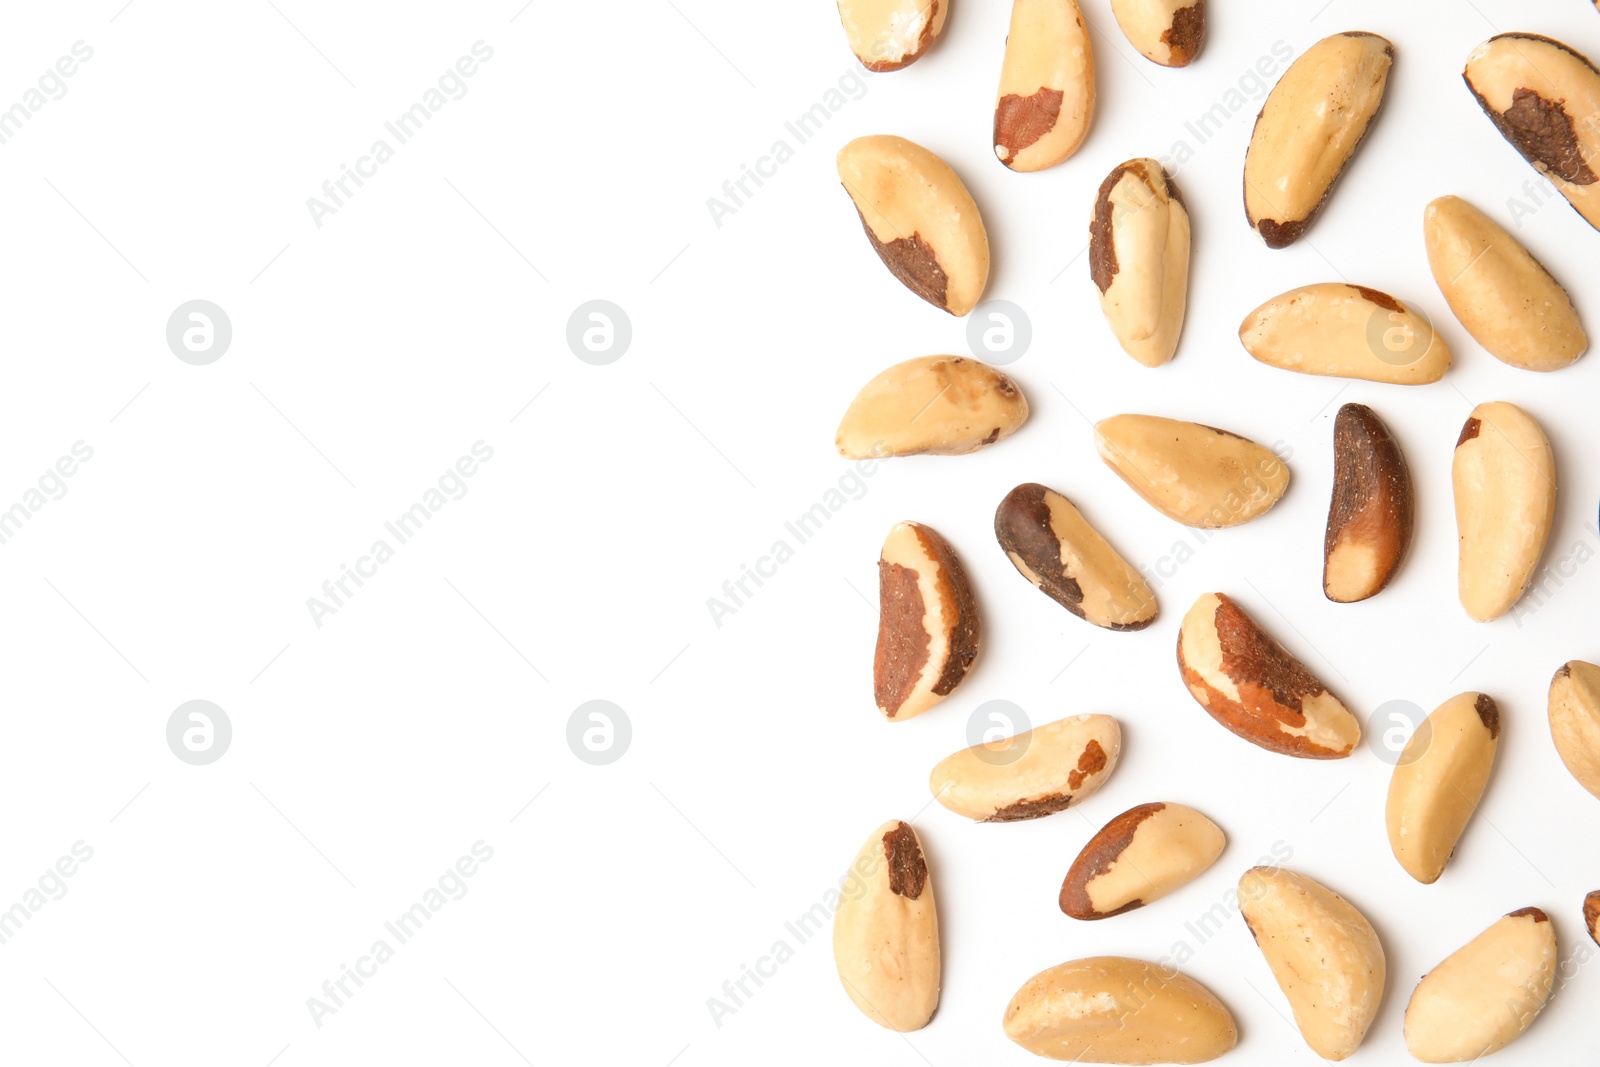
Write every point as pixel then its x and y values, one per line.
pixel 1139 259
pixel 1138 858
pixel 931 405
pixel 887 35
pixel 1575 721
pixel 1484 995
pixel 1252 685
pixel 1370 518
pixel 1438 781
pixel 1168 32
pixel 886 936
pixel 1031 774
pixel 1045 102
pixel 1591 901
pixel 927 622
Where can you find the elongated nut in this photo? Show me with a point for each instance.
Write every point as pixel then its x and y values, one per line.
pixel 1437 783
pixel 1370 516
pixel 1046 97
pixel 927 622
pixel 1139 259
pixel 1057 550
pixel 1346 331
pixel 1138 858
pixel 886 931
pixel 939 405
pixel 1505 485
pixel 1169 32
pixel 1312 123
pixel 1575 721
pixel 1591 900
pixel 1198 475
pixel 1486 993
pixel 1323 953
pixel 1500 293
pixel 1253 686
pixel 1032 774
pixel 889 34
pixel 1110 1009
pixel 1545 99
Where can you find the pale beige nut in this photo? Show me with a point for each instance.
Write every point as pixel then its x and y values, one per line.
pixel 1110 1009
pixel 1323 952
pixel 1198 475
pixel 1054 547
pixel 938 405
pixel 927 622
pixel 886 931
pixel 1370 518
pixel 1504 297
pixel 1169 32
pixel 1046 98
pixel 1437 783
pixel 1312 123
pixel 1032 774
pixel 1505 486
pixel 1575 721
pixel 1346 331
pixel 1486 993
pixel 1544 98
pixel 1138 858
pixel 921 220
pixel 1252 685
pixel 1139 259
pixel 889 34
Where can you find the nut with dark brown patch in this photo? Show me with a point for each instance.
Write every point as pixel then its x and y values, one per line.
pixel 1169 32
pixel 1253 686
pixel 1046 99
pixel 1438 781
pixel 886 35
pixel 1055 548
pixel 1346 331
pixel 886 931
pixel 931 405
pixel 1591 906
pixel 1033 774
pixel 1505 487
pixel 1487 993
pixel 1139 259
pixel 927 622
pixel 1138 858
pixel 1371 514
pixel 1575 721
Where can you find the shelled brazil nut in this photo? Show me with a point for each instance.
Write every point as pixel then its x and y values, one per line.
pixel 1139 259
pixel 1195 474
pixel 1371 513
pixel 1346 331
pixel 1031 774
pixel 1505 487
pixel 886 35
pixel 1575 721
pixel 886 935
pixel 927 622
pixel 935 405
pixel 1484 995
pixel 1438 781
pixel 1168 32
pixel 1045 102
pixel 1139 857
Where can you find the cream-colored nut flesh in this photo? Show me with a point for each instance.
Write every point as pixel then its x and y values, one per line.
pixel 1323 953
pixel 921 220
pixel 1110 1009
pixel 938 405
pixel 1437 782
pixel 1346 331
pixel 1370 517
pixel 1505 484
pixel 1252 685
pixel 1486 993
pixel 886 931
pixel 1169 32
pixel 889 34
pixel 1054 547
pixel 1031 774
pixel 1575 721
pixel 1198 475
pixel 1544 98
pixel 927 622
pixel 1139 259
pixel 1046 99
pixel 1138 858
pixel 1504 297
pixel 1312 123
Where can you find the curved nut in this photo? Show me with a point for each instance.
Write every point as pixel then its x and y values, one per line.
pixel 1169 32
pixel 1138 858
pixel 1057 550
pixel 1346 331
pixel 1110 1009
pixel 1046 99
pixel 1499 292
pixel 921 220
pixel 927 622
pixel 1544 98
pixel 939 405
pixel 1032 774
pixel 1505 485
pixel 889 34
pixel 1253 686
pixel 1371 514
pixel 1198 475
pixel 1312 123
pixel 1437 783
pixel 1575 721
pixel 1139 259
pixel 1323 953
pixel 1486 993
pixel 886 931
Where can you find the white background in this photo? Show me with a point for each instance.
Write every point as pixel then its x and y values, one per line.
pixel 368 354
